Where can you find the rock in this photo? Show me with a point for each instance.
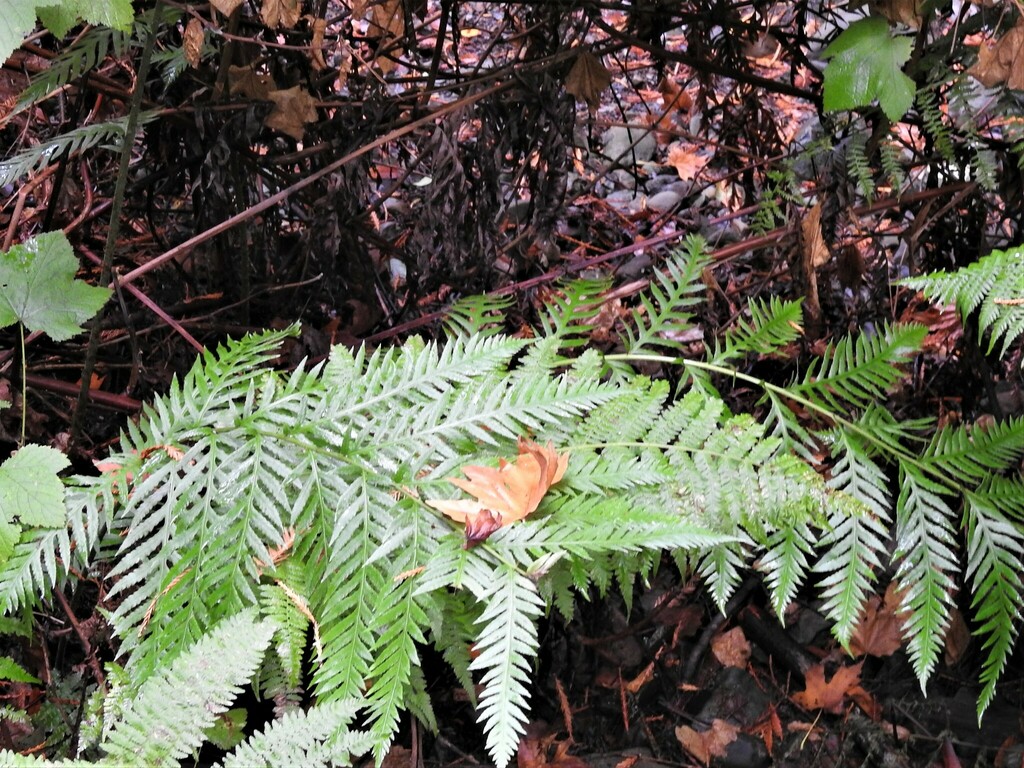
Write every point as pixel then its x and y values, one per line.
pixel 664 201
pixel 628 146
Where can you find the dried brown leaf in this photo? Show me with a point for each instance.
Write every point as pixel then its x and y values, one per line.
pixel 1002 61
pixel 713 742
pixel 879 631
pixel 227 7
pixel 587 79
pixel 732 649
pixel 192 42
pixel 901 11
pixel 245 81
pixel 505 493
pixel 316 45
pixel 281 13
pixel 958 638
pixel 387 21
pixel 816 253
pixel 828 695
pixel 293 108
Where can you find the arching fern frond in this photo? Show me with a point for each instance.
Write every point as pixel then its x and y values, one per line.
pixel 994 284
pixel 772 325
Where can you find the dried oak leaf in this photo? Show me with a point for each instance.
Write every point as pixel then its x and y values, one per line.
pixel 505 493
pixel 293 108
pixel 587 78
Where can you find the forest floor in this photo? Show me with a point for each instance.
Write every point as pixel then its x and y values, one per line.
pixel 667 680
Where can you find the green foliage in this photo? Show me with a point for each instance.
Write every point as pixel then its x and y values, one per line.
pixel 31 494
pixel 866 65
pixel 302 495
pixel 20 18
pixel 39 290
pixel 993 286
pixel 35 158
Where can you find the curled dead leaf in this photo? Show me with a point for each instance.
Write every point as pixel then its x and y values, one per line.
pixel 293 108
pixel 505 493
pixel 1002 61
pixel 192 43
pixel 284 13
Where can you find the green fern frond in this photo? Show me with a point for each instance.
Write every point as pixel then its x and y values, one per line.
pixel 480 315
pixel 924 546
pixel 994 283
pixel 785 563
pixel 772 325
pixel 935 123
pixel 165 721
pixel 995 550
pixel 858 167
pixel 34 159
pixel 317 737
pixel 968 455
pixel 890 157
pixel 721 569
pixel 673 293
pixel 858 370
pixel 568 314
pixel 77 59
pixel 506 644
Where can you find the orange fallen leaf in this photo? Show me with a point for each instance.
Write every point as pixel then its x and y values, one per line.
pixel 878 632
pixel 505 493
pixel 713 742
pixel 829 695
pixel 732 649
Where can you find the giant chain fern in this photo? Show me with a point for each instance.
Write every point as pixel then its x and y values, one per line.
pixel 302 495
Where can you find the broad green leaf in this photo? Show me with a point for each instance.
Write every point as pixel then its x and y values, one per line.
pixel 38 288
pixel 9 535
pixel 60 17
pixel 867 65
pixel 30 489
pixel 11 670
pixel 19 18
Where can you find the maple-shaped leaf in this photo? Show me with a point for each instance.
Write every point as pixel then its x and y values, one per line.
pixel 587 79
pixel 505 493
pixel 30 493
pixel 38 288
pixel 879 630
pixel 829 695
pixel 709 744
pixel 867 64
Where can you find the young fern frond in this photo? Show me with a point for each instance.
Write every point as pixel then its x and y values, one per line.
pixel 994 285
pixel 935 123
pixel 772 325
pixel 480 315
pixel 673 293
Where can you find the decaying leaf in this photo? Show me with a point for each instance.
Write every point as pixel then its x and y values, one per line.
pixel 832 694
pixel 505 493
pixel 316 45
pixel 245 81
pixel 732 649
pixel 878 633
pixel 587 79
pixel 281 13
pixel 1002 61
pixel 815 251
pixel 192 42
pixel 901 11
pixel 958 638
pixel 227 7
pixel 387 22
pixel 713 742
pixel 293 108
pixel 685 160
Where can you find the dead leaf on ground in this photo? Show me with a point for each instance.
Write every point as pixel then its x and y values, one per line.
pixel 284 13
pixel 879 630
pixel 732 649
pixel 1002 61
pixel 540 749
pixel 769 728
pixel 293 108
pixel 505 493
pixel 830 695
pixel 686 160
pixel 192 43
pixel 587 79
pixel 713 742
